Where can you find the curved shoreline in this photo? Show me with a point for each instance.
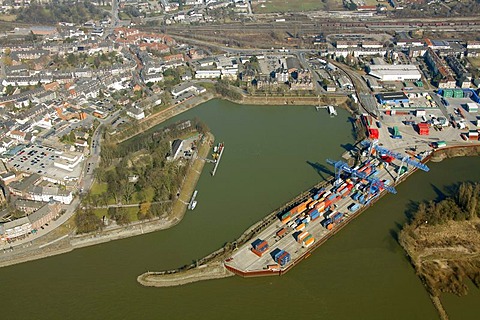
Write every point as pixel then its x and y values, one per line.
pixel 155 278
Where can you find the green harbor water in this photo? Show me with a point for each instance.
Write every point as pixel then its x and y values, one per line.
pixel 361 273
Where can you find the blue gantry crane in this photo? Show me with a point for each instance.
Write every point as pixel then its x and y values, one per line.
pixel 341 166
pixel 402 157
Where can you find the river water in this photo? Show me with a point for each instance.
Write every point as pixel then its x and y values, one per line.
pixel 270 156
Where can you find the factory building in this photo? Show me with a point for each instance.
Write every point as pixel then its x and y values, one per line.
pixel 387 72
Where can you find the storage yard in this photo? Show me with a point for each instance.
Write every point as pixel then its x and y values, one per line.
pixel 410 126
pixel 322 213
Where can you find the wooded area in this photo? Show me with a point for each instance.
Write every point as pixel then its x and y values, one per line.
pixel 442 240
pixel 138 172
pixel 52 13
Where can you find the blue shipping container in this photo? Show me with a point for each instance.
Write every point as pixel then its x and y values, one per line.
pixel 278 254
pixel 326 222
pixel 315 197
pixel 338 216
pixel 315 215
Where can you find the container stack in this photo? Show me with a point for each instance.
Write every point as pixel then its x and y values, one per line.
pixel 308 241
pixel 448 93
pixel 301 236
pixel 458 93
pixel 280 233
pixel 423 129
pixel 282 258
pixel 336 217
pixel 260 247
pixel 285 218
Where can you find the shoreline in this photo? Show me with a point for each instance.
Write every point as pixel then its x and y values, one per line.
pixel 154 278
pixel 175 110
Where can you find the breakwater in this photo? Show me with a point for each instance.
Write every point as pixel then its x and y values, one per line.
pixel 213 260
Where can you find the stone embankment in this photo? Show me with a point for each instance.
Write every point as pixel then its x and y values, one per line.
pixel 214 270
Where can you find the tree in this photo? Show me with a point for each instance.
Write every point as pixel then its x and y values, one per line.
pixel 87 221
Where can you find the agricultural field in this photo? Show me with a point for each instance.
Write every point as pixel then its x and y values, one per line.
pixel 295 5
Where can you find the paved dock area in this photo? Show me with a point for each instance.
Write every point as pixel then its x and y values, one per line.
pixel 244 260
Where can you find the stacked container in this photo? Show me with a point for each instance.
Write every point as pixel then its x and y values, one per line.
pixel 284 258
pixel 336 217
pixel 308 241
pixel 300 227
pixel 285 218
pixel 281 232
pixel 260 247
pixel 302 236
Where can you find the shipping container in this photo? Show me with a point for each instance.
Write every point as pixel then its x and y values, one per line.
pixel 330 226
pixel 326 222
pixel 281 232
pixel 309 242
pixel 260 245
pixel 354 207
pixel 300 227
pixel 337 216
pixel 285 215
pixel 302 235
pixel 286 220
pixel 284 258
pixel 278 254
pixel 314 216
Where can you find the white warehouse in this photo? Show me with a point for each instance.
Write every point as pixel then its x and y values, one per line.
pixel 388 72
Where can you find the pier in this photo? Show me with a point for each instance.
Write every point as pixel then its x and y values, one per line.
pixel 217 162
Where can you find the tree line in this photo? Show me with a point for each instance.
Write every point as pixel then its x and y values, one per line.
pixel 463 205
pixel 78 12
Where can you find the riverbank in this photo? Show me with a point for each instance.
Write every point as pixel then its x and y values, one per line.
pixel 69 242
pixel 155 278
pixel 442 241
pixel 172 111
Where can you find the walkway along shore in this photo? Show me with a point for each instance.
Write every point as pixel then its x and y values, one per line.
pixel 210 267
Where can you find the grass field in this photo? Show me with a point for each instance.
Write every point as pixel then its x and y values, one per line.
pixel 288 5
pixel 7 17
pixel 474 61
pixel 98 188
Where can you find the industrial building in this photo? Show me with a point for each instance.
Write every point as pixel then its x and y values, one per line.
pixel 392 97
pixel 388 72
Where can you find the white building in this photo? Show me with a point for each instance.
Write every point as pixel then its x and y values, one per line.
pixel 136 113
pixel 389 72
pixel 208 74
pixel 186 87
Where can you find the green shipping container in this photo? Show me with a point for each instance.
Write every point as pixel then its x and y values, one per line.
pixel 448 93
pixel 458 93
pixel 419 84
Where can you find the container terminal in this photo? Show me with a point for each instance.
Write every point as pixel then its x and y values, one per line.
pixel 306 224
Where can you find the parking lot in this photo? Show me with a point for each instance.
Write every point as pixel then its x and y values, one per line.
pixel 40 160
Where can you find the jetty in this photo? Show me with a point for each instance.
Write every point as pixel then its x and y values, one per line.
pixel 221 148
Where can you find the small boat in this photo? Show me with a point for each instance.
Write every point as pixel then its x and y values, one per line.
pixel 192 205
pixel 332 111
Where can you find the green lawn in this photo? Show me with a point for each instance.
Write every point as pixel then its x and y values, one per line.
pixel 131 212
pixel 288 5
pixel 474 61
pixel 98 188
